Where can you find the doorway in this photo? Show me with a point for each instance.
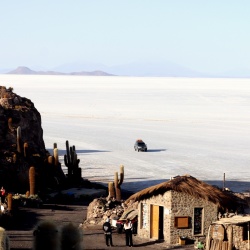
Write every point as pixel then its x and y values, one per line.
pixel 156 222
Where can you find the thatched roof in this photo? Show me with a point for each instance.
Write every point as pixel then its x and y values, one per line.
pixel 189 185
pixel 129 214
pixel 235 220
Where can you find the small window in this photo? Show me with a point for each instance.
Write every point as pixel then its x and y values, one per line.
pixel 144 215
pixel 181 222
pixel 198 221
pixel 245 229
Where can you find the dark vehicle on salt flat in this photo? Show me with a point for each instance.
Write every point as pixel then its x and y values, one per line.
pixel 140 145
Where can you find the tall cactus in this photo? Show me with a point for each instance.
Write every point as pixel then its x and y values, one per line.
pixel 26 149
pixel 27 194
pixel 10 124
pixel 32 180
pixel 118 183
pixel 9 202
pixel 54 159
pixel 50 159
pixel 55 151
pixel 14 158
pixel 18 135
pixel 111 189
pixel 72 163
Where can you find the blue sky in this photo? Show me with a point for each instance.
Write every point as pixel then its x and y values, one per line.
pixel 208 36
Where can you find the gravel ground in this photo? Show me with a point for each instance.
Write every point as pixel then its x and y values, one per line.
pixel 21 234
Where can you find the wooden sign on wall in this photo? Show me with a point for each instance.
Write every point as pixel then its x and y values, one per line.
pixel 181 222
pixel 218 232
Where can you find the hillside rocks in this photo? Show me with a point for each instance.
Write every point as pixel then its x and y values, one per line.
pixel 16 111
pixel 102 208
pixel 22 145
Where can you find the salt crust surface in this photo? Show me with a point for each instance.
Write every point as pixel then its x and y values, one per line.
pixel 192 126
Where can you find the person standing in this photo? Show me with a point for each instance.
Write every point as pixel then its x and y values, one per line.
pixel 108 232
pixel 2 195
pixel 128 233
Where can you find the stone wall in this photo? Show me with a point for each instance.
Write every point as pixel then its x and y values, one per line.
pixel 239 243
pixel 177 204
pixel 238 238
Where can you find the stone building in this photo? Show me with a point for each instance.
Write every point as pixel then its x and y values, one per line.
pixel 183 207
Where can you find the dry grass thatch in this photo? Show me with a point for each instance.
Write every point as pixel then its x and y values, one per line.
pixel 189 185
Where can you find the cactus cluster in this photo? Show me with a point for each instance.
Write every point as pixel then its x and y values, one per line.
pixel 18 140
pixel 54 159
pixel 72 163
pixel 115 187
pixel 22 146
pixel 55 168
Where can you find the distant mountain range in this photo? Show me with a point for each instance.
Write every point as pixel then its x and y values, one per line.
pixel 137 69
pixel 133 69
pixel 153 69
pixel 27 71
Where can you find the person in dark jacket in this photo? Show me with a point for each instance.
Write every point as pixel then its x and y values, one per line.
pixel 107 232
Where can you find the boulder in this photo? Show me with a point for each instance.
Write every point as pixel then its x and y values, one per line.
pixel 22 145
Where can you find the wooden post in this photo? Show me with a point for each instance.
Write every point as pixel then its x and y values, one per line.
pixel 248 235
pixel 208 238
pixel 224 180
pixel 230 238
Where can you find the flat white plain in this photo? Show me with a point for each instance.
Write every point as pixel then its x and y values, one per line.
pixel 191 126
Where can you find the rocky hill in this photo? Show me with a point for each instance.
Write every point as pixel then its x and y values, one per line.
pixel 22 146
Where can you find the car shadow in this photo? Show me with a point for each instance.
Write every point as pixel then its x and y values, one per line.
pixel 156 150
pixel 81 151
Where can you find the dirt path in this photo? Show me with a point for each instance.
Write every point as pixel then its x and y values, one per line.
pixel 21 235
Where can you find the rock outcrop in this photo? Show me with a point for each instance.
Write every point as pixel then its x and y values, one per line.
pixel 22 145
pixel 102 208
